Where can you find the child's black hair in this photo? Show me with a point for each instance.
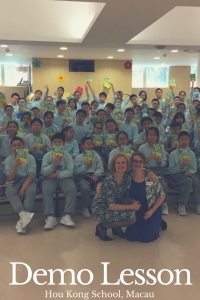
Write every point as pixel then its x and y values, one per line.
pixel 35 107
pixel 98 123
pixel 69 101
pixel 198 111
pixel 85 103
pixel 122 132
pixel 16 138
pixel 133 95
pixel 84 139
pixel 179 114
pixel 129 109
pixel 37 120
pixel 145 95
pixel 66 128
pixel 48 113
pixel 155 99
pixel 144 119
pixel 93 102
pixel 58 135
pixel 21 99
pixel 121 100
pixel 13 122
pixel 137 105
pixel 60 102
pixel 158 89
pixel 155 130
pixel 81 111
pixel 76 92
pixel 197 88
pixel 180 104
pixel 196 100
pixel 151 108
pixel 177 97
pixel 38 91
pixel 49 97
pixel 8 105
pixel 26 113
pixel 175 124
pixel 182 133
pixel 62 88
pixel 182 92
pixel 157 114
pixel 111 121
pixel 15 94
pixel 98 111
pixel 103 94
pixel 110 105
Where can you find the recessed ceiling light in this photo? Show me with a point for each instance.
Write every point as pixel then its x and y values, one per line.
pixel 110 57
pixel 163 65
pixel 156 57
pixel 4 46
pixel 120 50
pixel 174 50
pixel 63 48
pixel 9 54
pixel 60 55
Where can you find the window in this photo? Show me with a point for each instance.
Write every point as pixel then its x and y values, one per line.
pixel 12 76
pixel 153 76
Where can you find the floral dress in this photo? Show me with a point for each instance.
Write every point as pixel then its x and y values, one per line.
pixel 113 192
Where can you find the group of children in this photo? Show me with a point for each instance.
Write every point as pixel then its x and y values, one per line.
pixel 70 142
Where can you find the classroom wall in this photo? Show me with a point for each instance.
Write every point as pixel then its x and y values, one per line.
pixel 113 69
pixel 8 90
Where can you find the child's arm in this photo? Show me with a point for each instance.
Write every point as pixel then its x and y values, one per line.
pixel 68 172
pixel 80 167
pixel 172 91
pixel 47 166
pixel 135 134
pixel 192 167
pixel 9 170
pixel 95 98
pixel 46 93
pixel 87 98
pixel 113 89
pixel 47 144
pixel 75 149
pixel 99 166
pixel 2 113
pixel 191 92
pixel 24 186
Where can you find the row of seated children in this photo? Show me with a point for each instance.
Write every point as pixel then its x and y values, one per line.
pixel 57 171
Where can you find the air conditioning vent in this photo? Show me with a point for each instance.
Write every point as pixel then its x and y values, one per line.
pixel 192 51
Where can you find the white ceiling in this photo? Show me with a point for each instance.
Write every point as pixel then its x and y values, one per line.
pixel 46 20
pixel 177 27
pixel 95 30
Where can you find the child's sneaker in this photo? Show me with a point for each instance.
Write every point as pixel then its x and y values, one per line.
pixel 50 222
pixel 25 218
pixel 67 220
pixel 181 210
pixel 198 209
pixel 19 227
pixel 85 213
pixel 165 209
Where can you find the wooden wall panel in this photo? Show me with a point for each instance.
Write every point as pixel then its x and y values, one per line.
pixel 8 90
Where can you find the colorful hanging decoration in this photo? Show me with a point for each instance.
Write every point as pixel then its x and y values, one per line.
pixel 128 64
pixel 106 83
pixel 79 89
pixel 61 78
pixel 37 63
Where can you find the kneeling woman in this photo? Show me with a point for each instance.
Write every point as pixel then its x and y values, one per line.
pixel 151 196
pixel 113 207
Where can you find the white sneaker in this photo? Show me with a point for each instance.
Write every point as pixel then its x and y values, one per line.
pixel 181 210
pixel 165 209
pixel 19 227
pixel 25 218
pixel 50 222
pixel 198 209
pixel 85 213
pixel 67 220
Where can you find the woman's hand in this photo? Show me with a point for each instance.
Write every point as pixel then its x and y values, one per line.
pixel 148 214
pixel 152 176
pixel 136 205
pixel 98 189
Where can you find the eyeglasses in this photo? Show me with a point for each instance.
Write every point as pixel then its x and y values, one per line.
pixel 135 161
pixel 98 128
pixel 118 163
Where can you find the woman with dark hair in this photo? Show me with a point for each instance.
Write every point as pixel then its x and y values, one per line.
pixel 156 160
pixel 143 104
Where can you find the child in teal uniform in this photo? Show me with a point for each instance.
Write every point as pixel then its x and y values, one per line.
pixel 129 127
pixel 155 163
pixel 77 96
pixel 158 120
pixel 80 128
pixel 48 128
pixel 24 186
pixel 58 171
pixel 146 122
pixel 175 128
pixel 72 103
pixel 18 112
pixel 58 94
pixel 98 132
pixel 9 111
pixel 26 118
pixel 102 97
pixel 86 107
pixel 111 128
pixel 109 108
pixel 87 173
pixel 71 145
pixel 58 120
pixel 37 100
pixel 183 168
